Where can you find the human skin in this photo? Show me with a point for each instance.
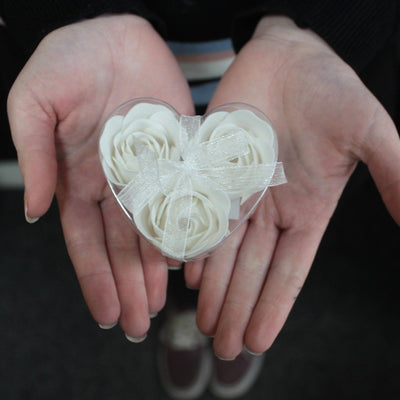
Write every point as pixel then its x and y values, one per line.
pixel 326 121
pixel 72 82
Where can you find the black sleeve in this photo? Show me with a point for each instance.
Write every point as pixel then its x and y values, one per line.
pixel 355 29
pixel 28 21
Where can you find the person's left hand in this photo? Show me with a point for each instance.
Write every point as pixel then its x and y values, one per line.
pixel 326 121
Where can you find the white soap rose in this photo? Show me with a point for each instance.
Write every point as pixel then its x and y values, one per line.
pixel 151 125
pixel 186 237
pixel 258 137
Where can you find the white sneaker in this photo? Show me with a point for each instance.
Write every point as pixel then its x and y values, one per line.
pixel 233 379
pixel 184 359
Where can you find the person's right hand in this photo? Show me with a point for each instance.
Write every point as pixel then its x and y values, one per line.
pixel 75 78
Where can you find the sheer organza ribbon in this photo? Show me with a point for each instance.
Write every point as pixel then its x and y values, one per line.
pixel 206 163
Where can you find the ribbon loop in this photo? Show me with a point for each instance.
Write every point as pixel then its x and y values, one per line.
pixel 279 177
pixel 218 151
pixel 242 178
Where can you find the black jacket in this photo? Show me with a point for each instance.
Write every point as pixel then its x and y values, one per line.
pixel 356 29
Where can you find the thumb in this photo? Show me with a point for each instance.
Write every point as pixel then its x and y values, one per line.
pixel 32 128
pixel 382 155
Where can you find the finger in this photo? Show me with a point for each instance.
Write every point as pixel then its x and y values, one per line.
pixel 215 281
pixel 124 253
pixel 155 276
pixel 382 155
pixel 248 278
pixel 174 265
pixel 83 232
pixel 32 130
pixel 289 268
pixel 194 272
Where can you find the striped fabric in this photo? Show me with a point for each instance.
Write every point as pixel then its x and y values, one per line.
pixel 203 64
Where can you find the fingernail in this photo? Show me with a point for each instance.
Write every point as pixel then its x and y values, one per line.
pixel 174 267
pixel 224 359
pixel 107 326
pixel 191 288
pixel 252 353
pixel 153 315
pixel 28 218
pixel 136 339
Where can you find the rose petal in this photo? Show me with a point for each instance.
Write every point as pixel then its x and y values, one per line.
pixel 106 146
pixel 168 120
pixel 209 214
pixel 251 123
pixel 143 110
pixel 209 124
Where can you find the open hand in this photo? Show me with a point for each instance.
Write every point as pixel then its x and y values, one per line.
pixel 75 78
pixel 326 121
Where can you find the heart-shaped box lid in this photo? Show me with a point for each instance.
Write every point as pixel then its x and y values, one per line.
pixel 187 182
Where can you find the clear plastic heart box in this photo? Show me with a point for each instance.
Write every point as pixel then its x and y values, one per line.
pixel 187 182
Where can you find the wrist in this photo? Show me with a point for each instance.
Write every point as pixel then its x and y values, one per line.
pixel 274 21
pixel 286 31
pixel 107 21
